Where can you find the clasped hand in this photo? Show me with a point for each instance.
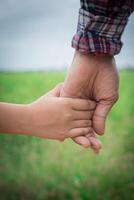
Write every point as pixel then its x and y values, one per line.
pixel 76 109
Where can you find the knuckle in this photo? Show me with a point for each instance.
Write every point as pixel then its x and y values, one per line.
pixel 90 130
pixel 84 131
pixel 92 105
pixel 67 102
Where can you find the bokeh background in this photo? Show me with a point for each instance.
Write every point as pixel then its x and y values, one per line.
pixel 35 37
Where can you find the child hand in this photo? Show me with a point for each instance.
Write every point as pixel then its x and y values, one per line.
pixel 60 118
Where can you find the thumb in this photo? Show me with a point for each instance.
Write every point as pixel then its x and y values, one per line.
pixel 100 115
pixel 55 92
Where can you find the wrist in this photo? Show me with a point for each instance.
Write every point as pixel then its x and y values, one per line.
pixel 93 55
pixel 92 63
pixel 21 119
pixel 27 120
pixel 13 118
pixel 34 121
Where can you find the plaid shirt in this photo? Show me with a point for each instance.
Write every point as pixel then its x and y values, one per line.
pixel 101 24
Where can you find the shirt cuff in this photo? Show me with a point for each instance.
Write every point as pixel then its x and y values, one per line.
pixel 98 34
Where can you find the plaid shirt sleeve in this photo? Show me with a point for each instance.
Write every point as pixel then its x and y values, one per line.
pixel 101 24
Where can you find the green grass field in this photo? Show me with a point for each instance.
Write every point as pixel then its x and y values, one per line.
pixel 37 169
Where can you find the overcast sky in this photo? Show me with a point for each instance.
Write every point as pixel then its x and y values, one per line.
pixel 36 34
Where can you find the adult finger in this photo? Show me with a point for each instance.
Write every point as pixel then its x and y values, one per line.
pixel 100 115
pixel 95 143
pixel 55 92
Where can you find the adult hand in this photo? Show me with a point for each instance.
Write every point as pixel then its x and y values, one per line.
pixel 93 77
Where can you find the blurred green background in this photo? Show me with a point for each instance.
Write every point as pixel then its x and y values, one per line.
pixel 33 168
